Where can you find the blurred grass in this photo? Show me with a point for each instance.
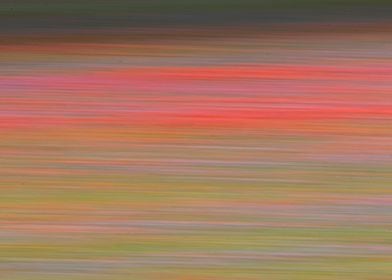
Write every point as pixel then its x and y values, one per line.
pixel 101 7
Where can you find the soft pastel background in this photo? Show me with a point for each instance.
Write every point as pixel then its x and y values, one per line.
pixel 189 140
